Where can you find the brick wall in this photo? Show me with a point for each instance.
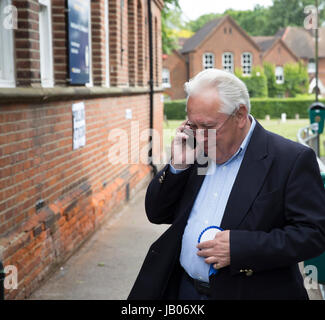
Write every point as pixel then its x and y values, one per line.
pixel 79 188
pixel 176 64
pixel 279 55
pixel 233 42
pixel 27 43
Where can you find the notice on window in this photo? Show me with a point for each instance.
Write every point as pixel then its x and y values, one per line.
pixel 79 125
pixel 78 18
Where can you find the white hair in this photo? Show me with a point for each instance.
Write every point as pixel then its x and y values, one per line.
pixel 231 90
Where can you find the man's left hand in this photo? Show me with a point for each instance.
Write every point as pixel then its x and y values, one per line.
pixel 216 251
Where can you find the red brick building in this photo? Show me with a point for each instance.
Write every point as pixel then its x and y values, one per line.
pixel 223 44
pixel 52 196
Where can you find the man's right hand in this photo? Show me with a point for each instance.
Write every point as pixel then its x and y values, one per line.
pixel 182 153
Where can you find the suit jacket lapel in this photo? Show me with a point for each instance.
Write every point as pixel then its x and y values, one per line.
pixel 249 180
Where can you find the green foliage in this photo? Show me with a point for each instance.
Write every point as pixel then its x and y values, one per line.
pixel 256 83
pixel 275 106
pixel 295 79
pixel 195 25
pixel 254 22
pixel 274 89
pixel 265 21
pixel 170 19
pixel 260 107
pixel 175 109
pixel 285 13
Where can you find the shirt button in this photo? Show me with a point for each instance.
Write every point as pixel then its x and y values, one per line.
pixel 224 167
pixel 206 221
pixel 215 194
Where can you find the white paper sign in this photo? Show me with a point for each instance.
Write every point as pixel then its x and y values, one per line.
pixel 128 113
pixel 79 125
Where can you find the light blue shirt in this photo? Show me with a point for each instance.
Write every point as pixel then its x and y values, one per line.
pixel 209 207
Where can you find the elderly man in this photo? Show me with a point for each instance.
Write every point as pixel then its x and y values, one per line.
pixel 262 191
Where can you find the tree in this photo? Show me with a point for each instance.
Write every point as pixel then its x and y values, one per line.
pixel 295 79
pixel 195 25
pixel 263 21
pixel 170 19
pixel 254 22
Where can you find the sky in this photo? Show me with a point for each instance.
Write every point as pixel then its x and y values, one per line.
pixel 192 9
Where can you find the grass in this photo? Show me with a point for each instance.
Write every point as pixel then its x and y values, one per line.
pixel 289 129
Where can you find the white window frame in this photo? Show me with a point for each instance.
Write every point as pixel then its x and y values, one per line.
pixel 7 63
pixel 46 44
pixel 279 75
pixel 90 56
pixel 245 65
pixel 204 60
pixel 226 66
pixel 166 78
pixel 107 82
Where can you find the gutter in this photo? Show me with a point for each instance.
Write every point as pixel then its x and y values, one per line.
pixel 151 90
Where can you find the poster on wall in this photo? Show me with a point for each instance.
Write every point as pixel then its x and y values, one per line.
pixel 78 31
pixel 79 125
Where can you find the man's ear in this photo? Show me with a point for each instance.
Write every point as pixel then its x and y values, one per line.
pixel 242 116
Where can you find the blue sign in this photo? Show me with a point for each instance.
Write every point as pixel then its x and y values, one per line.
pixel 79 52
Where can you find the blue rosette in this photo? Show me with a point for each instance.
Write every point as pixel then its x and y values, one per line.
pixel 209 234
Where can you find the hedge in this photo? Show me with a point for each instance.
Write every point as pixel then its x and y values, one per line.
pixel 260 107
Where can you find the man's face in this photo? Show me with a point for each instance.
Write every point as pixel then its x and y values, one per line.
pixel 215 131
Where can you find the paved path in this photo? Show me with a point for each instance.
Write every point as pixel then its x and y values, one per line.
pixel 106 266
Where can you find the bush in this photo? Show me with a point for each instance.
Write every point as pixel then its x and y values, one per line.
pixel 260 107
pixel 274 89
pixel 256 83
pixel 175 109
pixel 275 106
pixel 296 79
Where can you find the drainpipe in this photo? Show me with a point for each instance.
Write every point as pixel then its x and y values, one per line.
pixel 151 81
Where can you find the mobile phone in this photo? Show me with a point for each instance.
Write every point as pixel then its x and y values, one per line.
pixel 191 142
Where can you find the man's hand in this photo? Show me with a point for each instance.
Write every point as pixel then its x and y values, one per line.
pixel 216 251
pixel 182 155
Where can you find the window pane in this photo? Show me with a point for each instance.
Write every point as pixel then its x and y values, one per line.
pixel 208 61
pixel 247 63
pixel 227 63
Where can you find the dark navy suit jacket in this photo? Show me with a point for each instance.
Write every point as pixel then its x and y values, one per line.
pixel 275 214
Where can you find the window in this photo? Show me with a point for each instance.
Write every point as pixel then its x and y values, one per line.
pixel 311 66
pixel 228 61
pixel 8 16
pixel 165 78
pixel 208 61
pixel 46 51
pixel 246 63
pixel 279 75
